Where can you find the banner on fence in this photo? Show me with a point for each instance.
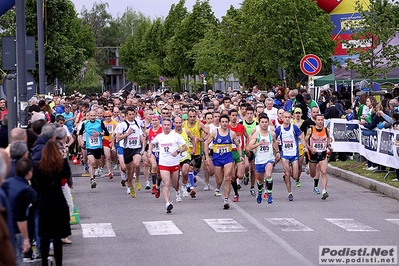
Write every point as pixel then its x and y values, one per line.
pixel 377 146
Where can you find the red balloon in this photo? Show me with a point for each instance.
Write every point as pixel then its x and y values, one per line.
pixel 328 5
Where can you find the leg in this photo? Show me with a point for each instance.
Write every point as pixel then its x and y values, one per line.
pixel 218 179
pixel 227 179
pixel 91 161
pixel 136 168
pixel 166 178
pixel 45 247
pixel 287 174
pixel 146 164
pixel 107 155
pixel 323 170
pixel 57 251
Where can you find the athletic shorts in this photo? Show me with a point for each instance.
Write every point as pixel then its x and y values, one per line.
pixel 197 160
pixel 317 157
pixel 120 150
pixel 128 154
pixel 236 157
pixel 106 143
pixel 146 147
pixel 170 169
pixel 261 168
pixel 223 162
pixel 187 161
pixel 251 156
pixel 291 159
pixel 156 155
pixel 95 152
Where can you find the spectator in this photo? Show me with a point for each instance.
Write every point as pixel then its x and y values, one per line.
pixel 4 132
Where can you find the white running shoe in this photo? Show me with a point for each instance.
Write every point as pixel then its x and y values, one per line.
pixel 128 190
pixel 207 187
pixel 96 172
pixel 178 198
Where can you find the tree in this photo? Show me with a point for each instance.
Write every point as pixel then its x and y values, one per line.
pixel 378 25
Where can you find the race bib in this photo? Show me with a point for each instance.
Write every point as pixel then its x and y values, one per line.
pixel 133 141
pixel 156 147
pixel 264 148
pixel 319 146
pixel 222 149
pixel 156 153
pixel 110 128
pixel 288 144
pixel 94 141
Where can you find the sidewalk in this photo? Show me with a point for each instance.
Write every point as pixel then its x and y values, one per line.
pixel 368 183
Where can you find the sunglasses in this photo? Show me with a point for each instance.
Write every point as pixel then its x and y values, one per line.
pixel 107 116
pixel 165 113
pixel 298 113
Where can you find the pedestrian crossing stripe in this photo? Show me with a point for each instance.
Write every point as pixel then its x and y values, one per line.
pixel 394 221
pixel 351 225
pixel 225 225
pixel 288 224
pixel 158 228
pixel 97 230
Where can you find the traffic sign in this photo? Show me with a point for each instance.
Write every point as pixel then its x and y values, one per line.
pixel 311 82
pixel 310 64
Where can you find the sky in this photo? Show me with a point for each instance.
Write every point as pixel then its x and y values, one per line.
pixel 154 8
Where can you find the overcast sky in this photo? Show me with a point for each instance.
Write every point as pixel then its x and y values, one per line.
pixel 155 8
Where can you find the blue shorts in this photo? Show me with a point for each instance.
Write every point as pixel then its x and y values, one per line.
pixel 156 155
pixel 260 168
pixel 120 150
pixel 290 158
pixel 223 162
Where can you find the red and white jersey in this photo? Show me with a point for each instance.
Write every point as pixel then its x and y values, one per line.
pixel 239 130
pixel 151 136
pixel 167 145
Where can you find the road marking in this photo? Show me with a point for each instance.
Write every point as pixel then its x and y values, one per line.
pixel 160 228
pixel 288 224
pixel 225 225
pixel 97 230
pixel 351 225
pixel 394 221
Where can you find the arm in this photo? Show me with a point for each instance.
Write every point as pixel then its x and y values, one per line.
pixel 275 147
pixel 206 144
pixel 306 143
pixel 193 141
pixel 204 128
pixel 252 142
pixel 235 141
pixel 104 129
pixel 120 136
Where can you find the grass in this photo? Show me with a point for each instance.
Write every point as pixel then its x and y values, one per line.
pixel 360 168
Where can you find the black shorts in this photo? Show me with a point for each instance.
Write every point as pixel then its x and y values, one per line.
pixel 317 157
pixel 251 156
pixel 197 160
pixel 95 152
pixel 187 161
pixel 128 154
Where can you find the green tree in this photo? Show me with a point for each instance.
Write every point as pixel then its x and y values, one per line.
pixel 371 40
pixel 88 79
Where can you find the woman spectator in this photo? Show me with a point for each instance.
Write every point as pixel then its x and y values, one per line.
pixel 54 218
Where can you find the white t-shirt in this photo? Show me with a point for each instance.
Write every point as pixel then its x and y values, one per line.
pixel 66 130
pixel 272 114
pixel 132 141
pixel 167 145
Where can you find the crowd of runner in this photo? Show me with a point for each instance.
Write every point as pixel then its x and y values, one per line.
pixel 237 136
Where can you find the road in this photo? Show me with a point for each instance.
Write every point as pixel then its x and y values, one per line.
pixel 120 230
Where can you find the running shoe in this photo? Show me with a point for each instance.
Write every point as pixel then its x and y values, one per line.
pixel 138 185
pixel 101 171
pixel 193 193
pixel 238 186
pixel 123 183
pixel 236 198
pixel 325 195
pixel 96 172
pixel 297 183
pixel 316 191
pixel 217 193
pixel 86 168
pixel 246 179
pixel 169 207
pixel 115 166
pixel 290 197
pixel 252 192
pixel 259 198
pixel 128 190
pixel 178 197
pixel 269 198
pixel 226 204
pixel 147 185
pixel 207 187
pixel 307 169
pixel 110 175
pixel 154 190
pixel 157 193
pixel 132 192
pixel 93 183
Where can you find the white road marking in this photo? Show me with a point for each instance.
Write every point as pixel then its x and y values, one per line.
pixel 288 224
pixel 159 228
pixel 394 221
pixel 97 230
pixel 225 225
pixel 351 225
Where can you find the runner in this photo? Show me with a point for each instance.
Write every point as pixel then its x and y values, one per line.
pixel 212 121
pixel 289 136
pixel 198 130
pixel 250 124
pixel 169 143
pixel 107 144
pixel 267 154
pixel 317 142
pixel 94 130
pixel 223 160
pixel 132 135
pixel 185 158
pixel 298 121
pixel 119 149
pixel 239 164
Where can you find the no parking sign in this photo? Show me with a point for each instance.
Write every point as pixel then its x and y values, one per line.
pixel 310 64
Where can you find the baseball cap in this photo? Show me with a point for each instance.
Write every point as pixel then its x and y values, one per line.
pixel 107 113
pixel 297 110
pixel 270 95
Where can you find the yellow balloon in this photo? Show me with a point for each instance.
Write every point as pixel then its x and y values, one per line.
pixel 349 6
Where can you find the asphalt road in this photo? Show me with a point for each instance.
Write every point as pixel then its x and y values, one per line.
pixel 116 229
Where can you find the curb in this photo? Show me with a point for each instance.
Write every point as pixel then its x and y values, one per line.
pixel 368 183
